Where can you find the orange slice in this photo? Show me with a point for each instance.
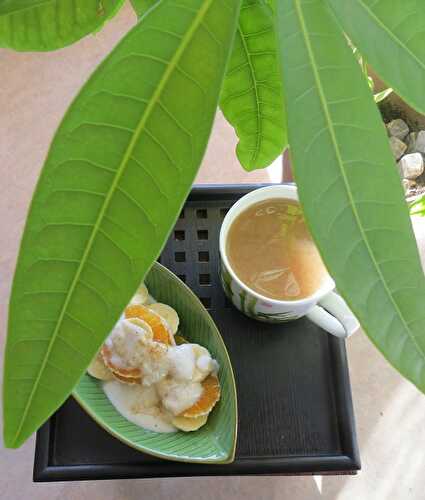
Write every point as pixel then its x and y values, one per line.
pixel 161 332
pixel 127 380
pixel 168 314
pixel 209 397
pixel 133 373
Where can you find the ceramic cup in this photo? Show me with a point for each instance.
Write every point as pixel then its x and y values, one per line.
pixel 324 307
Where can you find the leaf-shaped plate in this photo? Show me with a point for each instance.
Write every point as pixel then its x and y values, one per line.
pixel 213 443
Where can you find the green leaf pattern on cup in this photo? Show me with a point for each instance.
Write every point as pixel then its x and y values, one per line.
pixel 242 296
pixel 282 317
pixel 250 307
pixel 226 281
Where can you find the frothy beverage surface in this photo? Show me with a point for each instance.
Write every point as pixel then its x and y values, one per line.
pixel 271 250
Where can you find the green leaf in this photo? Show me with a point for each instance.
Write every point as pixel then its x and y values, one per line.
pixel 51 24
pixel 118 171
pixel 349 185
pixel 251 98
pixel 391 36
pixel 271 4
pixel 417 207
pixel 142 6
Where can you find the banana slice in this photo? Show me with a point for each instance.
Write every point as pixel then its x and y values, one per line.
pixel 98 369
pixel 141 296
pixel 168 313
pixel 150 300
pixel 189 424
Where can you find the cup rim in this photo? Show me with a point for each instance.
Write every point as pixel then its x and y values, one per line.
pixel 285 190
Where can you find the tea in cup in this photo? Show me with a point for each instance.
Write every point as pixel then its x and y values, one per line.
pixel 271 269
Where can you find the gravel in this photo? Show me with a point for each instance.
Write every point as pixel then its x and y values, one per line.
pixel 408 149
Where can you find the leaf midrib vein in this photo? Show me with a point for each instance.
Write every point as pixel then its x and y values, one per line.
pixel 197 20
pixel 340 162
pixel 257 103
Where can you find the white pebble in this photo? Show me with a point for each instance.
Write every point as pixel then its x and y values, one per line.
pixel 411 166
pixel 420 142
pixel 408 185
pixel 411 142
pixel 397 147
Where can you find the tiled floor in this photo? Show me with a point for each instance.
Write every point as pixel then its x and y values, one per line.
pixel 34 92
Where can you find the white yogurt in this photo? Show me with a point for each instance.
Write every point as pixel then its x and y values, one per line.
pixel 134 402
pixel 182 362
pixel 132 346
pixel 191 362
pixel 178 396
pixel 171 376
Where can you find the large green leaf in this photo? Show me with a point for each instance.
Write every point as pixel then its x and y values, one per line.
pixel 349 185
pixel 391 35
pixel 51 24
pixel 251 98
pixel 142 6
pixel 117 174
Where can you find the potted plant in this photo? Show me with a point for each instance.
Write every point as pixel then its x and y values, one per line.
pixel 128 149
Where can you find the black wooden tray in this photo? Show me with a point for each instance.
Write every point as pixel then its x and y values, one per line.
pixel 295 407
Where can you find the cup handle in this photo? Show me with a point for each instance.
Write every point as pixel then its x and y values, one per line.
pixel 339 321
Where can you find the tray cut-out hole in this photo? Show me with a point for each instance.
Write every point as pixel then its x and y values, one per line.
pixel 203 256
pixel 227 303
pixel 205 279
pixel 202 234
pixel 206 301
pixel 223 212
pixel 201 213
pixel 180 256
pixel 182 277
pixel 179 234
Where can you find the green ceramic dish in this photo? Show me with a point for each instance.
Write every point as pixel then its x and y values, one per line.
pixel 215 442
